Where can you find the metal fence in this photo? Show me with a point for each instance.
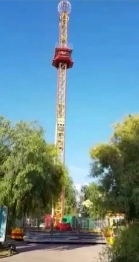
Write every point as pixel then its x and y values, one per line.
pixel 76 223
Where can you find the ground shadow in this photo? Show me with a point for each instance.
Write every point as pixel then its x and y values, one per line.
pixel 22 247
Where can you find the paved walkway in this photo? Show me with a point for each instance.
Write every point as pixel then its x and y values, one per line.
pixel 56 253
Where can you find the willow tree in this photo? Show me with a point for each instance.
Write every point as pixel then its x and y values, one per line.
pixel 30 176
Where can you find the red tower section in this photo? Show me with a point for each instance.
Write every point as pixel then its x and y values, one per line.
pixel 62 55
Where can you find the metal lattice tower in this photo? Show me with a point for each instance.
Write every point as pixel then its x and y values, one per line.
pixel 62 61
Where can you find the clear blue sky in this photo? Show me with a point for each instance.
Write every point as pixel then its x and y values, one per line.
pixel 103 85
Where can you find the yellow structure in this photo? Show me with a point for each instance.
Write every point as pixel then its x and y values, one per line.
pixel 113 220
pixel 62 61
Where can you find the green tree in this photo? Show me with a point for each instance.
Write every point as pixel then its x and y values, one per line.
pixel 116 165
pixel 92 204
pixel 70 196
pixel 30 174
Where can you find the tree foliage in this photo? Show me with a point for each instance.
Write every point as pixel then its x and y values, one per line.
pixel 116 165
pixel 70 196
pixel 92 204
pixel 30 174
pixel 125 247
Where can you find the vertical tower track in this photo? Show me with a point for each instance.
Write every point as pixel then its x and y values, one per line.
pixel 62 61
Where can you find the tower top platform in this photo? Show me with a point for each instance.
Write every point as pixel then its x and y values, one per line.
pixel 64 7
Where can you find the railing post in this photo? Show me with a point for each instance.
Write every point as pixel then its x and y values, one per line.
pixel 51 228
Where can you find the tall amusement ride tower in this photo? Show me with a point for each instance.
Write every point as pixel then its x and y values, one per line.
pixel 62 61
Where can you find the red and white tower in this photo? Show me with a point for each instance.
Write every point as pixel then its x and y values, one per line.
pixel 62 61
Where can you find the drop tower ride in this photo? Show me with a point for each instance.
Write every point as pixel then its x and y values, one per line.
pixel 62 61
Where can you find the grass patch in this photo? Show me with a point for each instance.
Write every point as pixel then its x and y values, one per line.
pixel 6 252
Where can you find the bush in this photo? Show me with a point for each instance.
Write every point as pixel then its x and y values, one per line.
pixel 125 247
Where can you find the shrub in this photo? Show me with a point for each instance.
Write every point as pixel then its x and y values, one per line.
pixel 125 247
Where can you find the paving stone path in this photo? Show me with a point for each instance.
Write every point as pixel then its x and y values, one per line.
pixel 55 253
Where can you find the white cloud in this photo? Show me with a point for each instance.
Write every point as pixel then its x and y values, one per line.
pixel 78 187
